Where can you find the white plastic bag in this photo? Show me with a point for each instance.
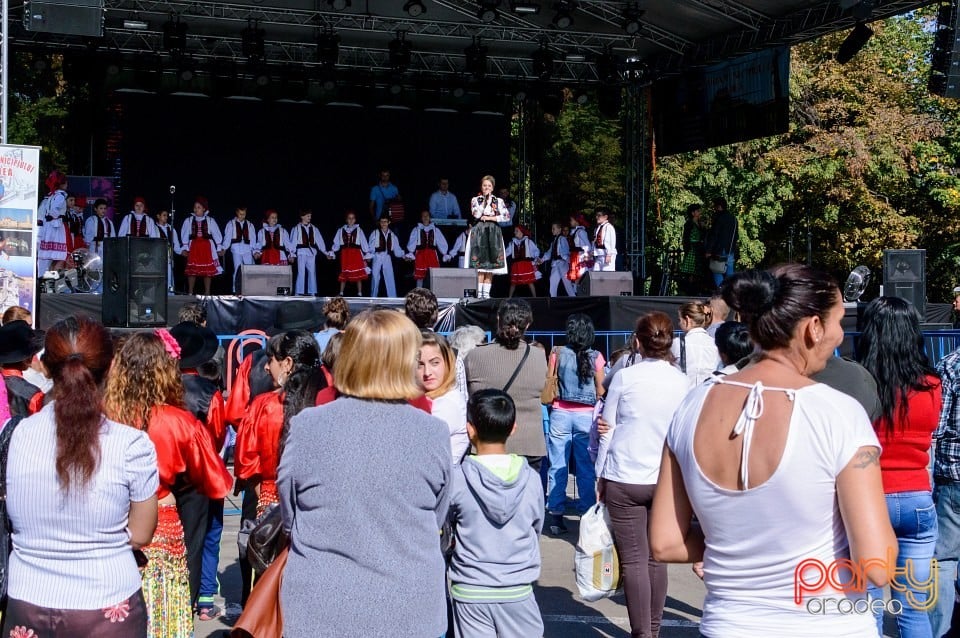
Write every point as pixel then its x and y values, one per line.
pixel 596 560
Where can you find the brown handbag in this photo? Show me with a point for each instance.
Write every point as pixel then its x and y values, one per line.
pixel 551 387
pixel 262 616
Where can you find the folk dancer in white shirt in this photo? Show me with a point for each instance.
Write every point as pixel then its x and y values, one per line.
pixel 443 203
pixel 485 249
pixel 352 244
pixel 169 235
pixel 384 245
pixel 305 243
pixel 240 237
pixel 425 240
pixel 200 238
pixel 580 248
pixel 97 228
pixel 524 253
pixel 273 241
pixel 604 242
pixel 559 258
pixel 460 244
pixel 137 223
pixel 52 252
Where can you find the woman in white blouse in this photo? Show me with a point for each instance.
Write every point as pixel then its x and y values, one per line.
pixel 695 351
pixel 438 374
pixel 78 514
pixel 640 403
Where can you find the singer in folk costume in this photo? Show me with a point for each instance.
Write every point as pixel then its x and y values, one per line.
pixel 485 249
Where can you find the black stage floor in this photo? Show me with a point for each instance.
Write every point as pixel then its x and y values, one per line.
pixel 231 315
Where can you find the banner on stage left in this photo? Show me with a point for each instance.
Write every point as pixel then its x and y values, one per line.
pixel 19 195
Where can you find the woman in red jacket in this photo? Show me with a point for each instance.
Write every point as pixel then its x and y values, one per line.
pixel 258 438
pixel 891 348
pixel 144 391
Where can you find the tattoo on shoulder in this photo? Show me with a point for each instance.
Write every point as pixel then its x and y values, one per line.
pixel 866 458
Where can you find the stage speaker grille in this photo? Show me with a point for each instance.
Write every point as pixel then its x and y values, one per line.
pixel 264 280
pixel 134 282
pixel 905 276
pixel 67 17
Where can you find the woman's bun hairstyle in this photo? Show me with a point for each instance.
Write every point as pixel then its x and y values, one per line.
pixel 752 292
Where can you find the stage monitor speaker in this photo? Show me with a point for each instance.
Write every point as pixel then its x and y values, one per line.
pixel 67 17
pixel 451 282
pixel 264 280
pixel 605 284
pixel 905 276
pixel 134 282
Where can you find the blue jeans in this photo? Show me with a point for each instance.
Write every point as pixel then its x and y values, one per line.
pixel 914 521
pixel 209 585
pixel 947 498
pixel 570 428
pixel 719 277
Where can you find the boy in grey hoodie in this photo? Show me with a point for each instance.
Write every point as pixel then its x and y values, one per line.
pixel 496 507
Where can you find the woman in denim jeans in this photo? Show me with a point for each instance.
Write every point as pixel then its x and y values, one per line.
pixel 891 348
pixel 579 370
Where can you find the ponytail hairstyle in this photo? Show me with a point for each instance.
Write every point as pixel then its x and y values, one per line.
pixel 78 352
pixel 580 336
pixel 654 335
pixel 306 377
pixel 143 376
pixel 513 318
pixel 698 313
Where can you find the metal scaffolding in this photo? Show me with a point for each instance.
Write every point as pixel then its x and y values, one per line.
pixel 635 142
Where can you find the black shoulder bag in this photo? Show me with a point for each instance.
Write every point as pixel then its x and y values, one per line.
pixel 5 542
pixel 513 377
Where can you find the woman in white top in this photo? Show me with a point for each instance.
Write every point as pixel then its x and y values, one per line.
pixel 81 494
pixel 438 374
pixel 695 351
pixel 640 403
pixel 782 474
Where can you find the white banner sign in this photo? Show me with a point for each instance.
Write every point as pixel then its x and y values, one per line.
pixel 19 195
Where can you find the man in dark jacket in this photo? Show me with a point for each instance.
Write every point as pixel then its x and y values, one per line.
pixel 722 240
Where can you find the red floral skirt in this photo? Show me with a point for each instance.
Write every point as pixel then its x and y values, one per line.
pixel 522 272
pixel 352 266
pixel 425 260
pixel 273 257
pixel 202 261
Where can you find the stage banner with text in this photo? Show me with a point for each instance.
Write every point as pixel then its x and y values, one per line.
pixel 19 195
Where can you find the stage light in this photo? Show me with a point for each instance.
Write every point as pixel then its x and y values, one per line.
pixel 488 10
pixel 414 8
pixel 174 35
pixel 400 52
pixel 136 25
pixel 328 47
pixel 855 41
pixel 458 92
pixel 339 5
pixel 582 97
pixel 187 72
pixel 563 18
pixel 252 42
pixel 542 63
pixel 631 19
pixel 575 57
pixel 525 8
pixel 476 55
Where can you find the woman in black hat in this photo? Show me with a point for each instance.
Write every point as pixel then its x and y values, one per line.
pixel 18 344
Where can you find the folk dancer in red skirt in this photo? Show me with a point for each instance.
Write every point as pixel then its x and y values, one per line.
pixel 524 253
pixel 137 223
pixel 425 240
pixel 144 390
pixel 384 246
pixel 579 248
pixel 273 240
pixel 53 249
pixel 353 247
pixel 200 237
pixel 75 221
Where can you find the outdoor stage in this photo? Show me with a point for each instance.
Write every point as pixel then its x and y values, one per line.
pixel 230 315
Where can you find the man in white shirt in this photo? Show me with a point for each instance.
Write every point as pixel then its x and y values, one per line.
pixel 240 237
pixel 604 242
pixel 443 203
pixel 97 227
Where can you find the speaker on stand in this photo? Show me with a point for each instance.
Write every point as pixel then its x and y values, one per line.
pixel 134 282
pixel 904 276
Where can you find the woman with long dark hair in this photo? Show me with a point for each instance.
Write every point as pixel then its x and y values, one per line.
pixel 145 391
pixel 640 403
pixel 891 348
pixel 579 370
pixel 260 434
pixel 78 513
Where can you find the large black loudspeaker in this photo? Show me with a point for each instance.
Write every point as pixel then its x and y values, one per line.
pixel 134 282
pixel 68 17
pixel 945 56
pixel 605 284
pixel 905 276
